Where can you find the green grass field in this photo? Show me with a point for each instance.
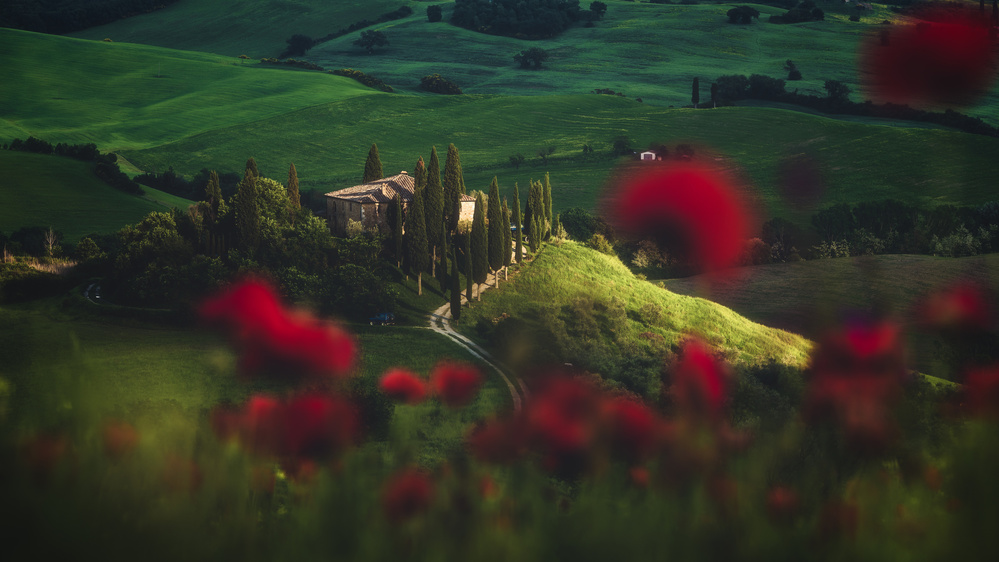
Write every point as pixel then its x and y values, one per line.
pixel 38 190
pixel 807 297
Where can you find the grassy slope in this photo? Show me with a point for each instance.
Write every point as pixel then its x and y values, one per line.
pixel 233 27
pixel 124 96
pixel 562 274
pixel 39 190
pixel 807 297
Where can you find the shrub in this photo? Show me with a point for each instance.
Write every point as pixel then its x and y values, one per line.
pixel 439 85
pixel 367 80
pixel 599 243
pixel 434 14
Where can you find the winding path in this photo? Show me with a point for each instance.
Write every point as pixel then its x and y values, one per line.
pixel 440 322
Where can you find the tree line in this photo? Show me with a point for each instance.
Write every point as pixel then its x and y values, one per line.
pixel 66 16
pixel 105 165
pixel 524 19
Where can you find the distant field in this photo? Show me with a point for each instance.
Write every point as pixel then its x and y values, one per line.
pixel 124 96
pixel 808 297
pixel 63 193
pixel 257 28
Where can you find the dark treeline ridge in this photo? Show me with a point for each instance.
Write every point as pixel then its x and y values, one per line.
pixel 65 16
pixel 734 88
pixel 523 19
pixel 105 165
pixel 298 44
pixel 193 189
pixel 367 80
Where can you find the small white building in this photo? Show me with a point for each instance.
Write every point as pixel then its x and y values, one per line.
pixel 648 155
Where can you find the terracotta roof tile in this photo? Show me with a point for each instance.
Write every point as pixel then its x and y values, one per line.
pixel 378 191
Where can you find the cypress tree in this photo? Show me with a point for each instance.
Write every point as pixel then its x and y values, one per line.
pixel 420 175
pixel 714 95
pixel 372 166
pixel 695 95
pixel 294 197
pixel 251 167
pixel 213 196
pixel 417 257
pixel 547 192
pixel 454 188
pixel 519 236
pixel 434 205
pixel 442 271
pixel 467 239
pixel 496 238
pixel 248 213
pixel 455 285
pixel 507 239
pixel 395 226
pixel 534 235
pixel 480 243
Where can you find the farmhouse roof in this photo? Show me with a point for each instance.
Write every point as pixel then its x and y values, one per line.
pixel 383 190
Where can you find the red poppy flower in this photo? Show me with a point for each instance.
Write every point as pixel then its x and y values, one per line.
pixel 856 377
pixel 498 441
pixel 407 494
pixel 319 426
pixel 403 386
pixel 962 307
pixel 692 211
pixel 700 382
pixel 981 392
pixel 119 439
pixel 274 338
pixel 455 383
pixel 561 415
pixel 943 63
pixel 632 428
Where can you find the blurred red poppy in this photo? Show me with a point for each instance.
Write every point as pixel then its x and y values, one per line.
pixel 119 438
pixel 632 428
pixel 456 384
pixel 962 307
pixel 499 441
pixel 407 494
pixel 981 392
pixel 403 386
pixel 700 382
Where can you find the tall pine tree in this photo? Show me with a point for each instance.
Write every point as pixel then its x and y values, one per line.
pixel 454 188
pixel 507 239
pixel 294 197
pixel 547 197
pixel 442 271
pixel 213 196
pixel 518 236
pixel 251 167
pixel 420 175
pixel 434 205
pixel 480 246
pixel 495 227
pixel 455 285
pixel 373 165
pixel 395 228
pixel 248 213
pixel 417 255
pixel 467 239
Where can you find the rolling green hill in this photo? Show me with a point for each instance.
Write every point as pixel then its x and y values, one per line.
pixel 57 192
pixel 578 305
pixel 257 28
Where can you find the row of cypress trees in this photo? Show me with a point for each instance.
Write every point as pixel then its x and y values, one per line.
pixel 437 201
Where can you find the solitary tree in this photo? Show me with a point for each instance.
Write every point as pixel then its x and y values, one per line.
pixel 247 213
pixel 417 256
pixel 373 165
pixel 516 160
pixel 370 40
pixel 480 243
pixel 695 96
pixel 454 188
pixel 455 285
pixel 294 197
pixel 496 237
pixel 433 200
pixel 435 14
pixel 838 92
pixel 532 57
pixel 792 70
pixel 518 237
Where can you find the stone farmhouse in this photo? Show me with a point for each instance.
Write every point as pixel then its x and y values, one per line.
pixel 368 203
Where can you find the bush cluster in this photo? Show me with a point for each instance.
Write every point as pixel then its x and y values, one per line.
pixel 439 85
pixel 366 79
pixel 523 19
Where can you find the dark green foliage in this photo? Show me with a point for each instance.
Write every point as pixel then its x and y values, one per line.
pixel 433 201
pixel 495 237
pixel 355 292
pixel 442 269
pixel 213 196
pixel 695 95
pixel 454 188
pixel 439 85
pixel 534 234
pixel 420 175
pixel 765 87
pixel 395 228
pixel 298 44
pixel 531 58
pixel 526 19
pixel 455 285
pixel 516 160
pixel 837 91
pixel 546 196
pixel 294 197
pixel 366 79
pixel 372 166
pixel 251 167
pixel 598 9
pixel 417 248
pixel 247 213
pixel 742 14
pixel 467 245
pixel 792 71
pixel 518 236
pixel 479 243
pixel 371 40
pixel 60 16
pixel 434 13
pixel 621 145
pixel 400 13
pixel 507 236
pixel 805 11
pixel 714 94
